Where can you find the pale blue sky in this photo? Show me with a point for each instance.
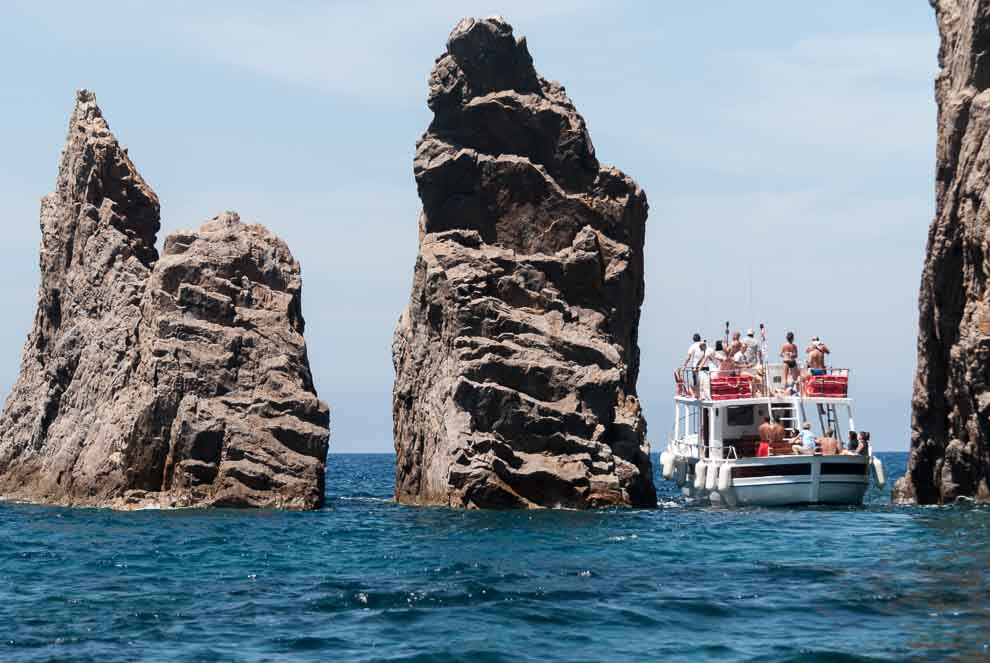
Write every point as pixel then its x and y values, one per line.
pixel 793 139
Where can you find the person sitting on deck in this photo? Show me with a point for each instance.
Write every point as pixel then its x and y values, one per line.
pixel 816 356
pixel 766 432
pixel 852 445
pixel 804 442
pixel 830 445
pixel 777 434
pixel 862 446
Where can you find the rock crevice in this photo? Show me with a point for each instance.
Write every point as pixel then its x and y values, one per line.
pixel 516 359
pixel 147 380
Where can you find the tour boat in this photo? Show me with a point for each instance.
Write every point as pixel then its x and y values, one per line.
pixel 713 451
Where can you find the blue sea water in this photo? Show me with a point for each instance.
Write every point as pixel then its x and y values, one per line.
pixel 367 580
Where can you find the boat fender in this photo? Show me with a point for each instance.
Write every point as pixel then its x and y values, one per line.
pixel 878 475
pixel 667 463
pixel 711 480
pixel 725 477
pixel 700 474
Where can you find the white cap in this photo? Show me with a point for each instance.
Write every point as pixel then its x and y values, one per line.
pixel 750 332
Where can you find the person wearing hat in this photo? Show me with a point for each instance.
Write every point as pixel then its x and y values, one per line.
pixel 751 347
pixel 804 442
pixel 816 356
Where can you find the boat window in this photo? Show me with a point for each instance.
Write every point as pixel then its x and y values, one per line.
pixel 739 415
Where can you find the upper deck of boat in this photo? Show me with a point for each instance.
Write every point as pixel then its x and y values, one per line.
pixel 760 384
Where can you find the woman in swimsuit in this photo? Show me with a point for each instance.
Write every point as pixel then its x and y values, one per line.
pixel 789 353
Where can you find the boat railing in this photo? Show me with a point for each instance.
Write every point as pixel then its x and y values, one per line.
pixel 760 380
pixel 698 450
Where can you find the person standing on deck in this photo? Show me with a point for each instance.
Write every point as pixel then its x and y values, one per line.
pixel 766 431
pixel 816 356
pixel 695 353
pixel 789 353
pixel 751 348
pixel 735 346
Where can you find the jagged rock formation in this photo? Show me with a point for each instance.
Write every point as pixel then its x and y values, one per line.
pixel 174 381
pixel 516 359
pixel 951 418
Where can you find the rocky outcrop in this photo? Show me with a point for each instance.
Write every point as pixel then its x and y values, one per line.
pixel 147 380
pixel 951 404
pixel 516 359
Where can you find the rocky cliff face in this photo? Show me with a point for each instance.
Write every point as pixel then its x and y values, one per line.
pixel 951 419
pixel 516 359
pixel 179 380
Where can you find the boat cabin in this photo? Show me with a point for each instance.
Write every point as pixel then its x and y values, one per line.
pixel 718 414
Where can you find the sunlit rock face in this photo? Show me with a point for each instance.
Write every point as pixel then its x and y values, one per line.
pixel 147 380
pixel 951 405
pixel 516 359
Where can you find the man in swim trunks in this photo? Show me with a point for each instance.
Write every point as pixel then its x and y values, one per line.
pixel 816 356
pixel 766 431
pixel 789 353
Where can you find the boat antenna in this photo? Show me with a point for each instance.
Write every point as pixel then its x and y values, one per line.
pixel 751 316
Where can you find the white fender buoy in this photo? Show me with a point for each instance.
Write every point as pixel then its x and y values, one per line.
pixel 700 474
pixel 725 477
pixel 667 463
pixel 878 476
pixel 711 480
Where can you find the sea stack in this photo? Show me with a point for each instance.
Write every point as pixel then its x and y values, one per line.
pixel 516 359
pixel 951 405
pixel 173 380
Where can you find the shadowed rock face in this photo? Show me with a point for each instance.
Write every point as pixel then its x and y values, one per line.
pixel 174 381
pixel 951 418
pixel 516 359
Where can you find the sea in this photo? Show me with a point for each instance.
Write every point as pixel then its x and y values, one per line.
pixel 365 579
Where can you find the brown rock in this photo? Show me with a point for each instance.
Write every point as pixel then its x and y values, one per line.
pixel 179 381
pixel 516 360
pixel 951 404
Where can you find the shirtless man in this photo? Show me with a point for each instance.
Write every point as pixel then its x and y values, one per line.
pixel 789 353
pixel 766 432
pixel 816 356
pixel 830 445
pixel 735 345
pixel 776 434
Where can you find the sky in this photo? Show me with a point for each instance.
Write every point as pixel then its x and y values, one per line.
pixel 786 149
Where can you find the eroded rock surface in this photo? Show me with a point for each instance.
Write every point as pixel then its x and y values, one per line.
pixel 179 380
pixel 516 359
pixel 951 405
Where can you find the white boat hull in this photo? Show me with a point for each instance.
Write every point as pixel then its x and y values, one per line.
pixel 786 480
